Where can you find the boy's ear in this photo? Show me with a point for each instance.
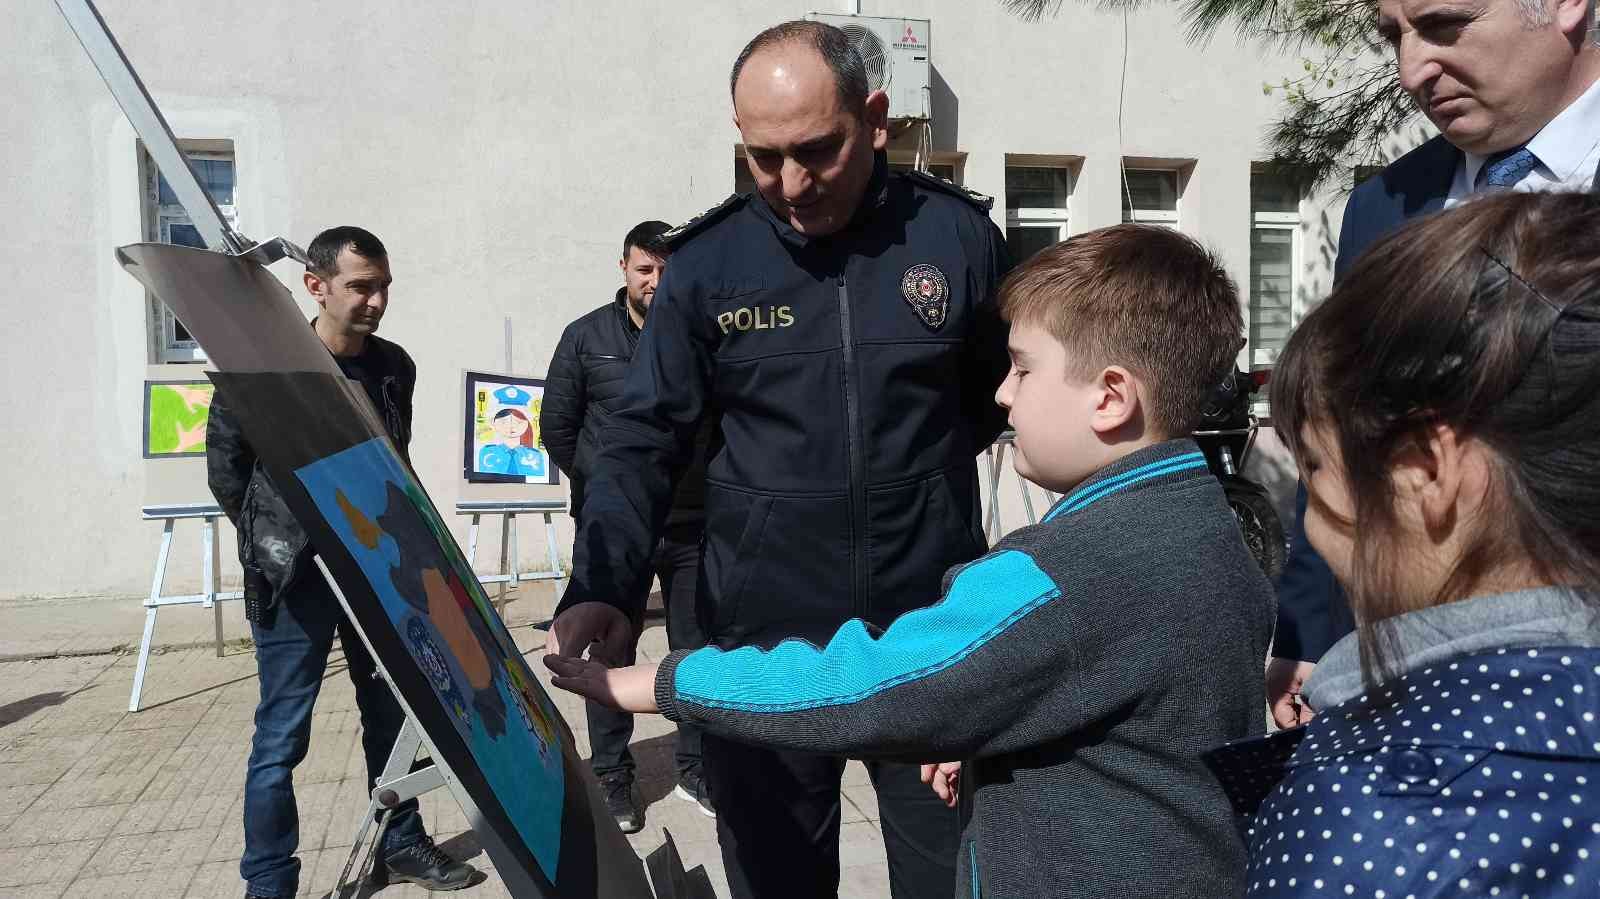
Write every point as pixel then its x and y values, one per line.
pixel 1121 399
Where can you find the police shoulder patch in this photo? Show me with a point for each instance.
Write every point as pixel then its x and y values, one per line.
pixel 675 237
pixel 984 202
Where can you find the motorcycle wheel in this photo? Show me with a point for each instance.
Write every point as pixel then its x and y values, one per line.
pixel 1259 524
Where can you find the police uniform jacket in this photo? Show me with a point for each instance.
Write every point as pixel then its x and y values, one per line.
pixel 853 376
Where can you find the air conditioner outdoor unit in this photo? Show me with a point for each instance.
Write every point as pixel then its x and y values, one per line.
pixel 896 53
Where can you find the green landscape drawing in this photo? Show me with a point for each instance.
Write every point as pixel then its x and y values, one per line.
pixel 175 418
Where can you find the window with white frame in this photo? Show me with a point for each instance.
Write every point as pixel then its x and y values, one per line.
pixel 1150 196
pixel 168 222
pixel 1037 202
pixel 1274 263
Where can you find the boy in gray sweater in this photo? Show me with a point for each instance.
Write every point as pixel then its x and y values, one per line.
pixel 1081 667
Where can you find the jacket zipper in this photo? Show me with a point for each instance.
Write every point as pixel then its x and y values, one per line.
pixel 858 482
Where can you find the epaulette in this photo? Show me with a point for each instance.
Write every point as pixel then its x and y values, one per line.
pixel 984 202
pixel 717 213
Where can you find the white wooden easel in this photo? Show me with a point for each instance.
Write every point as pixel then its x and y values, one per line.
pixel 995 456
pixel 509 575
pixel 210 596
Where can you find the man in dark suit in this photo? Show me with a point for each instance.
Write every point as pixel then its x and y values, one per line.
pixel 1512 87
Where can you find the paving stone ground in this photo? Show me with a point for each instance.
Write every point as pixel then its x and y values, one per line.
pixel 97 801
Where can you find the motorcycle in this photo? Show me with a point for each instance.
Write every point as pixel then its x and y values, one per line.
pixel 1226 435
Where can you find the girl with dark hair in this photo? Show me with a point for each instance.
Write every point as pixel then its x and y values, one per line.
pixel 1444 407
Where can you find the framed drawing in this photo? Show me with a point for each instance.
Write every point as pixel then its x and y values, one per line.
pixel 175 418
pixel 500 436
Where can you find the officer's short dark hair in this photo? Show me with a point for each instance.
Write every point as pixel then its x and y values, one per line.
pixel 849 72
pixel 326 247
pixel 1144 297
pixel 647 236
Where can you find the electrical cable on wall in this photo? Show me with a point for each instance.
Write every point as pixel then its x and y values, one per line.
pixel 1122 90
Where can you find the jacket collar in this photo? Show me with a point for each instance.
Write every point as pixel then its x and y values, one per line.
pixel 1163 463
pixel 619 310
pixel 368 346
pixel 1547 616
pixel 876 195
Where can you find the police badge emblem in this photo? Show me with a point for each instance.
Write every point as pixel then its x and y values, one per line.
pixel 928 293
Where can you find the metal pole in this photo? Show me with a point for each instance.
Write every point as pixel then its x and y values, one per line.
pixel 149 124
pixel 507 524
pixel 214 576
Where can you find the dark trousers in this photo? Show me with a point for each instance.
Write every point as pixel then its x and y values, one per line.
pixel 291 658
pixel 677 564
pixel 778 823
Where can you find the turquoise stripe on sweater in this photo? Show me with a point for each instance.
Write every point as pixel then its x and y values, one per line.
pixel 986 598
pixel 1103 489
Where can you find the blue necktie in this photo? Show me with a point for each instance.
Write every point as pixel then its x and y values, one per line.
pixel 1507 167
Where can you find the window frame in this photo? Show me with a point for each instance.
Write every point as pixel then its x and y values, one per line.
pixel 1172 218
pixel 1043 216
pixel 1291 222
pixel 1057 219
pixel 159 219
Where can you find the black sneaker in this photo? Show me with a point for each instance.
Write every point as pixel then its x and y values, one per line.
pixel 692 787
pixel 426 865
pixel 618 792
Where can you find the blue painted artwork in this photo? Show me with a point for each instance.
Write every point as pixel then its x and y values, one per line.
pixel 442 616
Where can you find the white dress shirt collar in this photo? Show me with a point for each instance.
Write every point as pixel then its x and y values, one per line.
pixel 1563 146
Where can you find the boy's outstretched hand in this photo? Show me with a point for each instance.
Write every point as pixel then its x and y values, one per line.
pixel 631 689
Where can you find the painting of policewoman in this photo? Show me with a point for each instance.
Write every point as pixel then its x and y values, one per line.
pixel 439 611
pixel 502 431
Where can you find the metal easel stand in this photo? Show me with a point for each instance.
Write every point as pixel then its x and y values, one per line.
pixel 397 785
pixel 211 596
pixel 995 458
pixel 508 575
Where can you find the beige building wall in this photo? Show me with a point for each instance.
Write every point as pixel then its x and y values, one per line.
pixel 500 150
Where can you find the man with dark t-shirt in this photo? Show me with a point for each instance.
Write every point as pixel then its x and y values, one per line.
pixel 293 615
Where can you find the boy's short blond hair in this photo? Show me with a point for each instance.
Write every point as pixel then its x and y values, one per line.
pixel 1144 297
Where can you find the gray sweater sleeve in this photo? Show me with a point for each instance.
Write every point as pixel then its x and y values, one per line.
pixel 988 669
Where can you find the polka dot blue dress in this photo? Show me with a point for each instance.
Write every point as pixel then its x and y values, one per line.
pixel 1476 776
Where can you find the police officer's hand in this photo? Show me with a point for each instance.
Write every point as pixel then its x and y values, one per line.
pixel 1285 678
pixel 945 778
pixel 631 689
pixel 594 627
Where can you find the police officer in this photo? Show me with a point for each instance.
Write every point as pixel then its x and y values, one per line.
pixel 841 323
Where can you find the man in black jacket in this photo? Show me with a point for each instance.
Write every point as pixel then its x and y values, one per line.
pixel 582 390
pixel 293 615
pixel 842 324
